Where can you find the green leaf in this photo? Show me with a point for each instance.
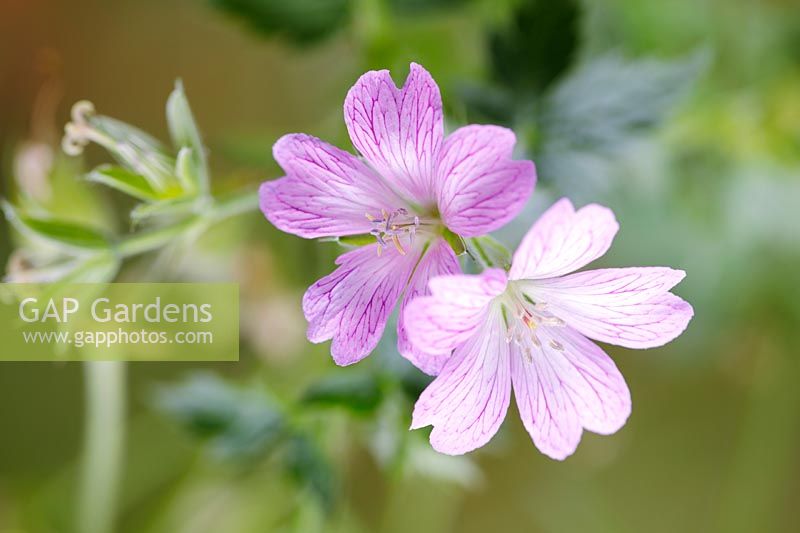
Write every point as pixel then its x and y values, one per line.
pixel 299 21
pixel 306 464
pixel 536 45
pixel 593 113
pixel 125 181
pixel 354 391
pixel 455 241
pixel 609 101
pixel 239 423
pixel 192 172
pixel 174 208
pixel 137 151
pixel 356 240
pixel 416 7
pixel 188 171
pixel 61 234
pixel 489 252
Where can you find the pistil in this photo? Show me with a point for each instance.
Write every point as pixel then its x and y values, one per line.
pixel 391 226
pixel 530 316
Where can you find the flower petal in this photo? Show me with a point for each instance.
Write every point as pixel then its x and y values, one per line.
pixel 326 192
pixel 468 401
pixel 563 240
pixel 398 131
pixel 352 304
pixel 625 306
pixel 479 187
pixel 438 260
pixel 438 323
pixel 568 385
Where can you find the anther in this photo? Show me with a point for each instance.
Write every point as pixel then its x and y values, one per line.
pixel 397 245
pixel 556 345
pixel 392 226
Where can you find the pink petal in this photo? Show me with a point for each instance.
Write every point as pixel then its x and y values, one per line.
pixel 563 240
pixel 560 392
pixel 326 191
pixel 626 306
pixel 351 305
pixel 438 260
pixel 480 188
pixel 458 305
pixel 398 131
pixel 468 401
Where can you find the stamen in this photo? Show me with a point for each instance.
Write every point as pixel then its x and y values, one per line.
pixel 397 245
pixel 79 132
pixel 530 317
pixel 392 226
pixel 526 352
pixel 535 340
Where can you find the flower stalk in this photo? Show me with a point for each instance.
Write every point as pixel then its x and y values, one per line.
pixel 104 437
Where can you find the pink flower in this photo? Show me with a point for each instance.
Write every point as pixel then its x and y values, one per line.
pixel 529 328
pixel 410 185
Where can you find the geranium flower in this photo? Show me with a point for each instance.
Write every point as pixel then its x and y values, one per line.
pixel 529 328
pixel 411 184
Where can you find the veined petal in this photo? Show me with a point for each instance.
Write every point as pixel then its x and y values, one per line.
pixel 438 260
pixel 567 385
pixel 479 187
pixel 398 131
pixel 563 240
pixel 326 191
pixel 352 304
pixel 439 323
pixel 625 306
pixel 468 401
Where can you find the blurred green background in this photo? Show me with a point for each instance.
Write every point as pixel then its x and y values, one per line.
pixel 681 115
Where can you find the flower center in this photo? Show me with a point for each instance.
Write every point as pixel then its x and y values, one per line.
pixel 523 318
pixel 391 226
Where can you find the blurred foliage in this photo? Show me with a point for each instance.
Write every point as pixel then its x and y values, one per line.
pixel 536 45
pixel 237 423
pixel 299 21
pixel 359 392
pixel 245 425
pixel 682 116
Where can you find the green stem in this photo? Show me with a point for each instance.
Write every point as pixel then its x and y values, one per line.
pixel 233 205
pixel 104 437
pixel 221 209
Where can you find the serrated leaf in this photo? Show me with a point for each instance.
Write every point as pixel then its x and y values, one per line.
pixel 611 100
pixel 239 423
pixel 58 233
pixel 593 113
pixel 183 130
pixel 354 391
pixel 307 465
pixel 125 181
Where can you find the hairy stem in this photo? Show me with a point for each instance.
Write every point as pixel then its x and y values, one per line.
pixel 104 437
pixel 219 210
pixel 105 382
